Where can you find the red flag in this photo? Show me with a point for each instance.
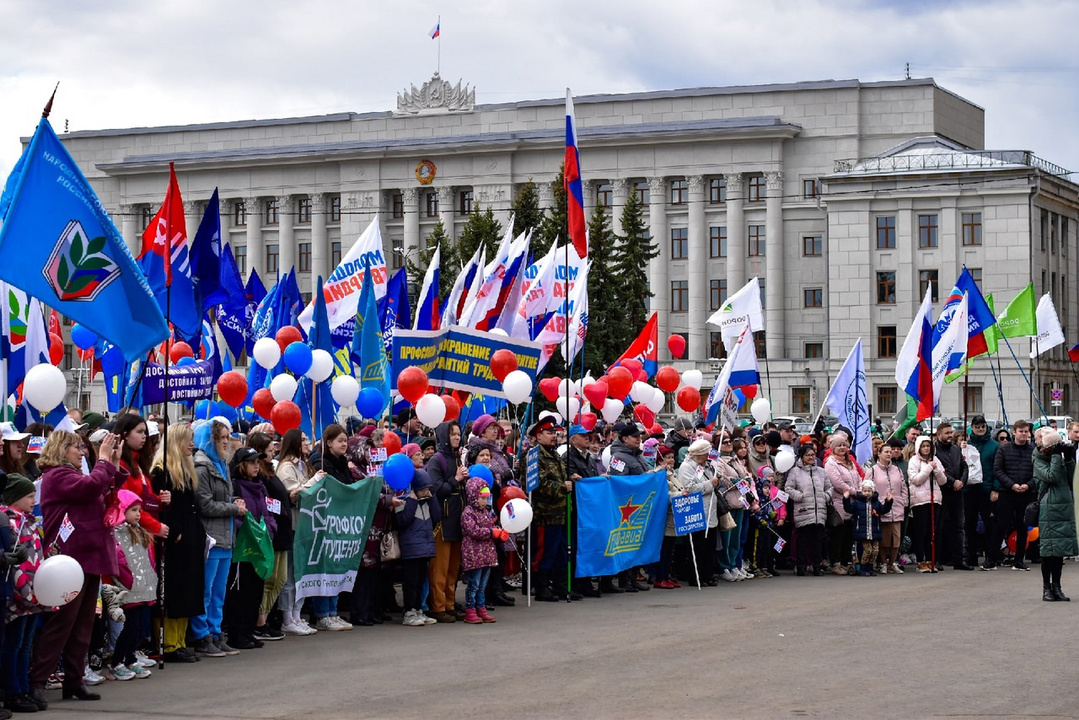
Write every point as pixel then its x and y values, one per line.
pixel 167 230
pixel 54 323
pixel 644 348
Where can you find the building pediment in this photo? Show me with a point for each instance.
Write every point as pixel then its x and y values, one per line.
pixel 436 97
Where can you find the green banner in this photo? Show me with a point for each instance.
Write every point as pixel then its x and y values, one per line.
pixel 334 520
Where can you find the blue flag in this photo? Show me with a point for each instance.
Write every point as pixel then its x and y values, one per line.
pixel 207 266
pixel 368 353
pixel 58 244
pixel 317 406
pixel 232 313
pixel 255 292
pixel 620 522
pixel 393 309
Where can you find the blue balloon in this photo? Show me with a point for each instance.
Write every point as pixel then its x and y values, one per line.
pixel 297 357
pixel 83 338
pixel 369 404
pixel 484 472
pixel 224 410
pixel 202 410
pixel 112 362
pixel 398 471
pixel 185 361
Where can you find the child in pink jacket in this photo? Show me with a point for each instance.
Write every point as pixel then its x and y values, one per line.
pixel 767 522
pixel 478 554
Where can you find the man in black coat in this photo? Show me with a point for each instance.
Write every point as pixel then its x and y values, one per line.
pixel 951 497
pixel 1014 470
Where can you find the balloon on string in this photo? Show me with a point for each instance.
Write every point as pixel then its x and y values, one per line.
pixel 761 409
pixel 398 472
pixel 283 387
pixel 392 443
pixel 202 410
pixel 56 349
pixel 345 389
pixel 321 366
pixel 112 362
pixel 596 393
pixel 784 461
pixel 288 335
pixel 568 387
pixel 285 416
pixel 605 458
pixel 369 403
pixel 549 388
pixel 224 410
pixel 588 421
pixel 641 376
pixel 641 392
pixel 179 351
pixel 516 515
pixel 267 353
pixel 503 362
pixel 430 410
pixel 693 379
pixel 44 387
pixel 83 338
pixel 656 429
pixel 612 409
pixel 186 361
pixel 667 378
pixel 453 408
pixel 498 331
pixel 297 357
pixel 631 364
pixel 517 386
pixel 646 416
pixel 619 383
pixel 412 384
pixel 677 345
pixel 567 407
pixel 511 492
pixel 232 388
pixel 657 402
pixel 688 398
pixel 57 581
pixel 263 402
pixel 482 471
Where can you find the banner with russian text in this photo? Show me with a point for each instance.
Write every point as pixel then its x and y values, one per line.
pixel 620 522
pixel 186 383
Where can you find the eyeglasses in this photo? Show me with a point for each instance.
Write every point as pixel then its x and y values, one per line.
pixel 725 441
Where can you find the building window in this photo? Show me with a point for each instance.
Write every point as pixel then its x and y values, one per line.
pixel 335 254
pixel 239 254
pixel 717 190
pixel 886 233
pixel 1063 236
pixel 335 208
pixel 886 287
pixel 972 399
pixel 1044 227
pixel 679 296
pixel 304 257
pixel 717 241
pixel 972 228
pixel 1053 233
pixel 397 200
pixel 813 297
pixel 432 204
pixel 148 212
pixel 976 276
pixel 756 240
pixel 679 243
pixel 810 189
pixel 239 213
pixel 272 255
pixel 927 280
pixel 465 204
pixel 800 403
pixel 757 187
pixel 716 348
pixel 763 298
pixel 397 259
pixel 718 292
pixel 813 246
pixel 306 297
pixel 303 210
pixel 273 212
pixel 679 192
pixel 927 231
pixel 888 400
pixel 886 341
pixel 604 195
pixel 644 196
pixel 814 351
pixel 758 340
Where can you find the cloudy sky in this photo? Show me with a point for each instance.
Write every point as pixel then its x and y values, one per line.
pixel 125 63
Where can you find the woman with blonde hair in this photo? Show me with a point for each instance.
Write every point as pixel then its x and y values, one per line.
pixel 182 562
pixel 296 474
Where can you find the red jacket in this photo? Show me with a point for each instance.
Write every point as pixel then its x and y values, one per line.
pixel 151 503
pixel 65 491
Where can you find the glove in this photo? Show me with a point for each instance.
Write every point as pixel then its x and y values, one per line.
pixel 17 556
pixel 503 535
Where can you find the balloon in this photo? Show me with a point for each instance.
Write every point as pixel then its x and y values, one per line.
pixel 549 388
pixel 232 387
pixel 516 515
pixel 267 353
pixel 596 393
pixel 398 472
pixel 283 387
pixel 517 386
pixel 185 361
pixel 1011 541
pixel 657 402
pixel 568 387
pixel 179 351
pixel 112 362
pixel 693 379
pixel 484 472
pixel 619 383
pixel 392 443
pixel 667 378
pixel 646 416
pixel 631 364
pixel 677 345
pixel 511 492
pixel 688 398
pixel 430 410
pixel 656 429
pixel 285 415
pixel 412 384
pixel 605 458
pixel 1032 534
pixel 44 387
pixel 225 411
pixel 641 376
pixel 612 409
pixel 297 357
pixel 761 409
pixel 547 413
pixel 784 461
pixel 288 335
pixel 321 365
pixel 453 408
pixel 56 349
pixel 567 407
pixel 82 337
pixel 263 402
pixel 58 581
pixel 345 389
pixel 588 421
pixel 503 362
pixel 641 393
pixel 369 403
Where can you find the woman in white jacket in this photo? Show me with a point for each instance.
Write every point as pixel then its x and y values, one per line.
pixel 926 478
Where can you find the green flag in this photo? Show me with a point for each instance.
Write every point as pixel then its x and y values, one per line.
pixel 1019 319
pixel 334 521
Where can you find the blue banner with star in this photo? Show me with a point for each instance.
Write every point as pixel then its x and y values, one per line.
pixel 620 521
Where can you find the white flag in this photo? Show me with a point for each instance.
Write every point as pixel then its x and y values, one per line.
pixel 847 401
pixel 459 291
pixel 741 308
pixel 1049 332
pixel 342 288
pixel 950 349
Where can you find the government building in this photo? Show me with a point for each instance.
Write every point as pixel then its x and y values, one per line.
pixel 847 199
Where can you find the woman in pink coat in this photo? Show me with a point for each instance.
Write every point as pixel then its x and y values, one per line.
pixel 926 479
pixel 888 480
pixel 845 476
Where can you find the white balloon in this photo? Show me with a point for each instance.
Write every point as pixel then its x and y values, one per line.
pixel 784 461
pixel 612 409
pixel 321 365
pixel 605 457
pixel 345 389
pixel 516 515
pixel 693 378
pixel 58 580
pixel 283 387
pixel 499 331
pixel 430 410
pixel 517 386
pixel 569 386
pixel 567 409
pixel 587 380
pixel 657 402
pixel 761 409
pixel 267 353
pixel 641 392
pixel 548 413
pixel 44 387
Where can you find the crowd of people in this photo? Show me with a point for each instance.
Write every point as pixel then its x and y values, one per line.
pixel 153 524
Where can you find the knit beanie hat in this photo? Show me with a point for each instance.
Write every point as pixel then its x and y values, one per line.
pixel 410 449
pixel 18 486
pixel 868 485
pixel 699 447
pixel 127 499
pixel 837 440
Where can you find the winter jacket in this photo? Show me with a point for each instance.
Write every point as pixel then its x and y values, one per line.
pixel 500 465
pixel 442 468
pixel 973 459
pixel 67 493
pixel 550 497
pixel 151 503
pixel 866 515
pixel 135 569
pixel 477 523
pixel 926 479
pixel 26 530
pixel 674 489
pixel 631 459
pixel 891 480
pixel 955 468
pixel 809 489
pixel 416 521
pixel 293 475
pixel 284 534
pixel 253 492
pixel 336 466
pixel 698 479
pixel 1014 465
pixel 214 497
pixel 1056 514
pixel 580 463
pixel 843 479
pixel 987 449
pixel 754 460
pixel 730 472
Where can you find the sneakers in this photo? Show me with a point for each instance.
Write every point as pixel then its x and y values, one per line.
pixel 219 641
pixel 268 633
pixel 122 672
pixel 664 585
pixel 91 678
pixel 728 576
pixel 839 570
pixel 300 628
pixel 332 623
pixel 206 648
pixel 989 566
pixel 413 618
pixel 140 672
pixel 142 661
pixel 894 569
pixel 924 567
pixel 1020 566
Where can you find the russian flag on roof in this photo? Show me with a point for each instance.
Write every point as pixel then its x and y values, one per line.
pixel 572 183
pixel 436 30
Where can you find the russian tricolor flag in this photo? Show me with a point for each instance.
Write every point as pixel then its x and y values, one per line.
pixel 428 316
pixel 572 183
pixel 436 30
pixel 914 366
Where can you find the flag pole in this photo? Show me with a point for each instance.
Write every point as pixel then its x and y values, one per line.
pixel 1024 373
pixel 565 458
pixel 1000 391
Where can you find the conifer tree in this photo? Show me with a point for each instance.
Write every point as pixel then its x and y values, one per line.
pixel 606 331
pixel 636 247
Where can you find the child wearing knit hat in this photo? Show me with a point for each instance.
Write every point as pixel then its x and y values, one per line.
pixel 22 608
pixel 866 511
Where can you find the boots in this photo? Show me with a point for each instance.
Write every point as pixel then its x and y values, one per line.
pixel 606 585
pixel 543 589
pixel 484 615
pixel 1055 587
pixel 1047 593
pixel 472 617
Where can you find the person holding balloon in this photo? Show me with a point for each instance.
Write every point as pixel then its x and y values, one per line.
pixel 417 517
pixel 448 478
pixel 478 553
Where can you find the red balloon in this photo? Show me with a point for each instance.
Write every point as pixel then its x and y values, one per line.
pixel 620 383
pixel 596 393
pixel 503 362
pixel 656 429
pixel 631 364
pixel 285 416
pixel 688 398
pixel 453 408
pixel 412 384
pixel 391 442
pixel 232 387
pixel 677 345
pixel 641 376
pixel 510 492
pixel 263 402
pixel 56 349
pixel 179 351
pixel 646 416
pixel 549 387
pixel 588 421
pixel 668 379
pixel 287 335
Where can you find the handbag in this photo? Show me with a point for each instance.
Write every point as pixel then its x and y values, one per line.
pixel 726 522
pixel 390 546
pixel 1032 513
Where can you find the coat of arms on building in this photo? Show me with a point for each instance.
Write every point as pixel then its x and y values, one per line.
pixel 435 97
